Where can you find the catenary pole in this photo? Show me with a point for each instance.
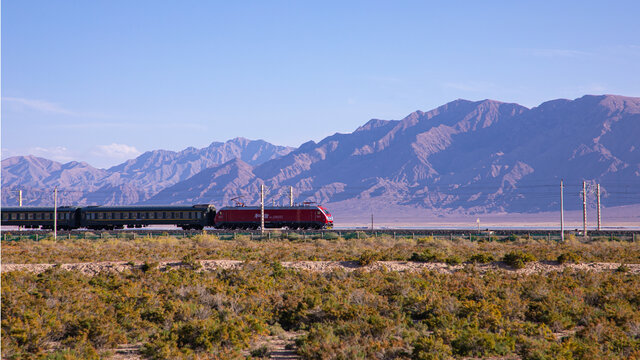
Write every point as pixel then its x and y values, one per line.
pixel 291 196
pixel 55 214
pixel 20 192
pixel 584 209
pixel 598 196
pixel 261 209
pixel 562 210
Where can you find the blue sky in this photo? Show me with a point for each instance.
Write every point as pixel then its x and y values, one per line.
pixel 103 81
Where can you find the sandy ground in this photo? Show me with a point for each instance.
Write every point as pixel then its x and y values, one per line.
pixel 327 266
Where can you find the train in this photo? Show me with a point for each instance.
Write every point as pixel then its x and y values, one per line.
pixel 187 217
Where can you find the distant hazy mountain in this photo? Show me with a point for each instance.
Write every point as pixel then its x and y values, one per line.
pixel 478 156
pixel 130 182
pixel 483 156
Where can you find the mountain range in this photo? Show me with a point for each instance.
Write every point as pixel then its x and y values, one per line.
pixel 131 182
pixel 465 156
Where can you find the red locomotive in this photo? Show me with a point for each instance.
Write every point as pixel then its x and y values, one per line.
pixel 305 216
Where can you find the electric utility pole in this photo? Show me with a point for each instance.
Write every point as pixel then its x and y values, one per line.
pixel 598 195
pixel 584 209
pixel 562 210
pixel 55 214
pixel 261 209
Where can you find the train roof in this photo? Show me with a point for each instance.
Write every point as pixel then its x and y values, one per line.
pixel 147 207
pixel 36 208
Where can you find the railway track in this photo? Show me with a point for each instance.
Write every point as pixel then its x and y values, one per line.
pixel 339 232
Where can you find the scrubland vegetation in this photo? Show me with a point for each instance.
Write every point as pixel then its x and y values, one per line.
pixel 292 247
pixel 186 313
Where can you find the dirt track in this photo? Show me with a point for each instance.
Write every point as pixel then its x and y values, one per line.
pixel 324 266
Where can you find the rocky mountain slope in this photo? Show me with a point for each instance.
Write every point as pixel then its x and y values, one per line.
pixel 473 156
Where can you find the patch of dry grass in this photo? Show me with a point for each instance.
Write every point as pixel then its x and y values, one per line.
pixel 210 247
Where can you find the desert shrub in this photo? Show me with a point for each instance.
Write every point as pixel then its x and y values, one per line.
pixel 424 240
pixel 453 260
pixel 277 269
pixel 355 235
pixel 188 314
pixel 474 342
pixel 425 256
pixel 430 348
pixel 518 259
pixel 191 262
pixel 330 236
pixel 241 248
pixel 368 257
pixel 149 265
pixel 481 258
pixel 261 352
pixel 568 257
pixel 622 268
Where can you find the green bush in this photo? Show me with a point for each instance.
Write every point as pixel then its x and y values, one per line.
pixel 475 342
pixel 453 260
pixel 425 256
pixel 568 257
pixel 481 258
pixel 430 348
pixel 622 268
pixel 330 236
pixel 191 262
pixel 518 259
pixel 368 257
pixel 149 265
pixel 261 352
